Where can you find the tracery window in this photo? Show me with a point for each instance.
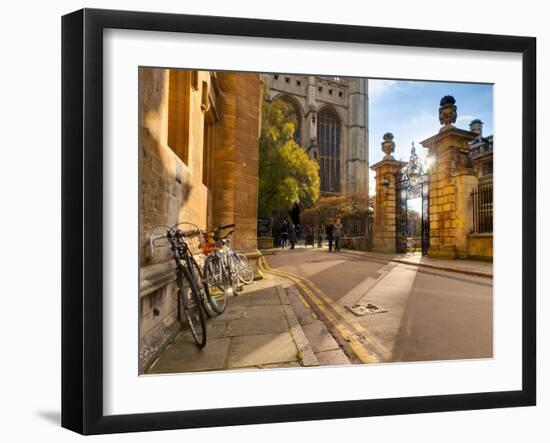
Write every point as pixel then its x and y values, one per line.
pixel 328 136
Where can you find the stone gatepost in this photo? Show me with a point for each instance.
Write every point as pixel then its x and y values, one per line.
pixel 387 171
pixel 452 179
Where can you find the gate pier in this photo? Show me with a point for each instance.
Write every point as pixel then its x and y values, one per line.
pixel 387 172
pixel 452 179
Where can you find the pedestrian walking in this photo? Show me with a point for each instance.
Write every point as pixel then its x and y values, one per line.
pixel 329 229
pixel 320 236
pixel 276 234
pixel 284 234
pixel 309 237
pixel 338 233
pixel 292 236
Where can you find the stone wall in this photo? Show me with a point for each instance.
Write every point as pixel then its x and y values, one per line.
pixel 480 246
pixel 463 223
pixel 175 186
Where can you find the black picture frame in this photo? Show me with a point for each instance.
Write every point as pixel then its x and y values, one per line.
pixel 82 220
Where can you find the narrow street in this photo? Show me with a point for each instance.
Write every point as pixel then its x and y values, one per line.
pixel 430 314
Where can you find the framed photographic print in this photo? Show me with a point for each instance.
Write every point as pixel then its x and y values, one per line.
pixel 270 221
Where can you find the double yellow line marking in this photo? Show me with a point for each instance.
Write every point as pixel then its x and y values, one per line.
pixel 329 309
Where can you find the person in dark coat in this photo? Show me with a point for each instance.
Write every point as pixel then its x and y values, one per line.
pixel 292 236
pixel 310 237
pixel 329 230
pixel 284 234
pixel 320 231
pixel 338 234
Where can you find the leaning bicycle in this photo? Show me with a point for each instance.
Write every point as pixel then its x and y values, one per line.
pixel 225 269
pixel 220 272
pixel 244 270
pixel 192 289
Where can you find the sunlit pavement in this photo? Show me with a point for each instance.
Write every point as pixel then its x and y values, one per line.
pixel 259 330
pixel 298 316
pixel 431 314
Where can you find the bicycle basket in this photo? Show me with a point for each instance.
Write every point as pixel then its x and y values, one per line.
pixel 208 243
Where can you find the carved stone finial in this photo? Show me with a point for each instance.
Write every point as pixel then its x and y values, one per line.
pixel 388 146
pixel 447 111
pixel 476 126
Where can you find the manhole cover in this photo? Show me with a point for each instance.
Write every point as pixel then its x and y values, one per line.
pixel 361 309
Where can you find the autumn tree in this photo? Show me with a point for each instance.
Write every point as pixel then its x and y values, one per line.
pixel 287 175
pixel 353 210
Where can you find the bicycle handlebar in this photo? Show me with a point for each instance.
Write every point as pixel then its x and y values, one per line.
pixel 217 238
pixel 179 233
pixel 219 228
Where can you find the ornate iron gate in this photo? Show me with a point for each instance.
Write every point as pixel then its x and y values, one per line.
pixel 412 183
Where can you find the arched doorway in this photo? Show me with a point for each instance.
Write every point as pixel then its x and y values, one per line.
pixel 329 138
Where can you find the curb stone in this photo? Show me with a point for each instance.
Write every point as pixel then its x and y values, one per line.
pixel 444 268
pixel 420 265
pixel 302 343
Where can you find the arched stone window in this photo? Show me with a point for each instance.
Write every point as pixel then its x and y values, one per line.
pixel 328 136
pixel 295 111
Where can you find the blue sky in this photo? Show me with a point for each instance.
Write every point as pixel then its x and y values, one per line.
pixel 409 110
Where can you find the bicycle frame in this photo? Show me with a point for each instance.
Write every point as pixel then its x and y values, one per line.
pixel 225 254
pixel 184 258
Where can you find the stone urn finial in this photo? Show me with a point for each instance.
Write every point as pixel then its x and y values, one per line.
pixel 388 146
pixel 447 112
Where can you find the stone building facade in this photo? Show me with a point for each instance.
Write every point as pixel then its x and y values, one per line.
pixel 199 133
pixel 481 153
pixel 480 241
pixel 332 116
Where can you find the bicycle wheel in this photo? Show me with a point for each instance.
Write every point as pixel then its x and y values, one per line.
pixel 232 273
pixel 190 301
pixel 219 285
pixel 204 291
pixel 246 274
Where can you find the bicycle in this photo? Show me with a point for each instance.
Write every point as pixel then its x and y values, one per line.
pixel 225 268
pixel 411 245
pixel 241 266
pixel 246 274
pixel 219 271
pixel 193 292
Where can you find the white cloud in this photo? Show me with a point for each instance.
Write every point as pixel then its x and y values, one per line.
pixel 378 87
pixel 422 119
pixel 465 118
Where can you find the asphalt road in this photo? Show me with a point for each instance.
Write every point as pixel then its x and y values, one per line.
pixel 431 314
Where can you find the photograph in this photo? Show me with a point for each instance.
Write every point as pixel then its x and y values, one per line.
pixel 249 222
pixel 294 221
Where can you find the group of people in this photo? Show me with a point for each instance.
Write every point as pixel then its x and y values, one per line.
pixel 333 231
pixel 289 234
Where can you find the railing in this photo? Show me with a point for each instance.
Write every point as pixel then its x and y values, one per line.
pixel 482 208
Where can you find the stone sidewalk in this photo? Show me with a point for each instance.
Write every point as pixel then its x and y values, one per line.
pixel 258 330
pixel 471 267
